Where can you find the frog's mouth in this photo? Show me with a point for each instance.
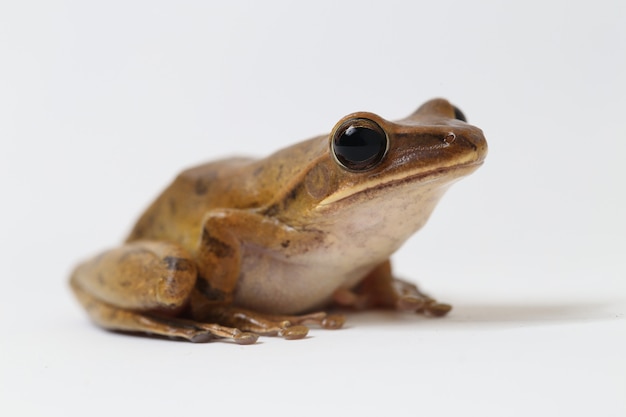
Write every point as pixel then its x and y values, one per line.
pixel 444 175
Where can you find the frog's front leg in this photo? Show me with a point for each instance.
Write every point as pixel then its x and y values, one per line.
pixel 380 289
pixel 144 286
pixel 225 233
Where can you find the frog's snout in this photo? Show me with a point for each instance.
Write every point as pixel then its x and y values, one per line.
pixel 474 140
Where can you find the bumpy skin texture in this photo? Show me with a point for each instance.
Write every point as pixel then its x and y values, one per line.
pixel 241 247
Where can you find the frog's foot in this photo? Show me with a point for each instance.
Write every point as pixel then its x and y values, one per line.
pixel 410 298
pixel 379 289
pixel 319 318
pixel 290 327
pixel 195 331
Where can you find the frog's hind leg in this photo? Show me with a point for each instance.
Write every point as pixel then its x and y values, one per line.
pixel 142 287
pixel 380 289
pixel 120 319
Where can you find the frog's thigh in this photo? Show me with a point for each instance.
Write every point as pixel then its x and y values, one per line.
pixel 142 275
pixel 115 318
pixel 140 287
pixel 381 289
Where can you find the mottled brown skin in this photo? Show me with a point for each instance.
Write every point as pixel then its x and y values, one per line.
pixel 241 247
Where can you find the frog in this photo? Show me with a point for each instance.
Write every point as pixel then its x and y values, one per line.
pixel 243 247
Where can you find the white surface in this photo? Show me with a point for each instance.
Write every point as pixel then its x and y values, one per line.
pixel 101 104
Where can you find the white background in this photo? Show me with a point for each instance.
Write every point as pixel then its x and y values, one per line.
pixel 102 103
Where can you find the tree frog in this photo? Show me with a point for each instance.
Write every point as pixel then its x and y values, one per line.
pixel 244 247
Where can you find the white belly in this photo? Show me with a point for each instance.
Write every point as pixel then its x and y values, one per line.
pixel 355 242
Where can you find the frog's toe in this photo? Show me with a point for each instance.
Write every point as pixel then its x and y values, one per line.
pixel 201 337
pixel 241 338
pixel 437 309
pixel 410 303
pixel 422 304
pixel 333 321
pixel 245 338
pixel 294 332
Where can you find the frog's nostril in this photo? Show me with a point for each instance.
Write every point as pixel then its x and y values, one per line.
pixel 450 137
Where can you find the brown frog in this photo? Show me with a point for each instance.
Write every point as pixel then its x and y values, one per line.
pixel 245 247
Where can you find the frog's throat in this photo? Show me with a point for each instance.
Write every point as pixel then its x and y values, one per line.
pixel 448 174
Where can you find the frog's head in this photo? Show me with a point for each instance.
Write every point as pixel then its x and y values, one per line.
pixel 433 145
pixel 371 172
pixel 371 183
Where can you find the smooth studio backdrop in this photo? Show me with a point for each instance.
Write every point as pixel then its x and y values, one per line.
pixel 102 103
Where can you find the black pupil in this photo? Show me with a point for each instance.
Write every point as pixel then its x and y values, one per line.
pixel 360 147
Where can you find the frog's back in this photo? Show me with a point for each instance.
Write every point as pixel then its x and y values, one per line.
pixel 239 183
pixel 176 215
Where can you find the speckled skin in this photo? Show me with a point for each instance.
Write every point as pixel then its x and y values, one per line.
pixel 238 247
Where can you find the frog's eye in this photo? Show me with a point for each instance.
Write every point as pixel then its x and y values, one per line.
pixel 458 114
pixel 359 144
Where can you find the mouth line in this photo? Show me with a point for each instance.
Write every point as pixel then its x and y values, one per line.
pixel 395 181
pixel 435 173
